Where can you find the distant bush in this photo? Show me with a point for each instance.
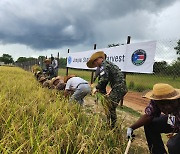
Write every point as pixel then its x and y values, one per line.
pixel 131 85
pixel 36 68
pixel 140 88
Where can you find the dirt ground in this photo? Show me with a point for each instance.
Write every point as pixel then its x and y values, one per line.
pixel 135 101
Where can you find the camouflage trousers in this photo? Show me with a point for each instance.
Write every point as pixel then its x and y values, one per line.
pixel 111 104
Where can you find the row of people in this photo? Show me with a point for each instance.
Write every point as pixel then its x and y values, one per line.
pixel 162 115
pixel 72 85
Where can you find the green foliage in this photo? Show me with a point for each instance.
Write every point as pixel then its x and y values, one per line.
pixel 131 85
pixel 177 48
pixel 160 67
pixel 174 69
pixel 62 62
pixel 129 110
pixel 140 88
pixel 7 59
pixel 36 68
pixel 24 59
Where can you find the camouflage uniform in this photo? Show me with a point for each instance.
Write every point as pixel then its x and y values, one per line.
pixel 102 89
pixel 111 73
pixel 49 71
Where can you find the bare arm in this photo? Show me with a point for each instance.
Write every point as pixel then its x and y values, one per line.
pixel 143 120
pixel 67 92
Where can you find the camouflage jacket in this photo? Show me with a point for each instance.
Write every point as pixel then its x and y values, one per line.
pixel 110 73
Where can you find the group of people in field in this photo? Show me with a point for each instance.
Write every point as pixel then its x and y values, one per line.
pixel 162 114
pixel 72 85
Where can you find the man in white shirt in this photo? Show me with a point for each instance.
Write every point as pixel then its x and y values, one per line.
pixel 78 87
pixel 55 65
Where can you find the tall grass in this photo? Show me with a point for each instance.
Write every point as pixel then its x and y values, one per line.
pixel 38 120
pixel 136 82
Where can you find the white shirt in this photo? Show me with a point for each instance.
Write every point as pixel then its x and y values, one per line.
pixel 73 82
pixel 55 63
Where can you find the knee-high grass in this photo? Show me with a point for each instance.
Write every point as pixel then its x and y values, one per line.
pixel 38 120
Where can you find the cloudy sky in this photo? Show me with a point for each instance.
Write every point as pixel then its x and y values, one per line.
pixel 31 28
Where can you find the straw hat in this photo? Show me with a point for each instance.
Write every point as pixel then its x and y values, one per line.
pixel 162 91
pixel 46 83
pixel 94 57
pixel 42 78
pixel 55 79
pixel 38 72
pixel 66 78
pixel 60 86
pixel 47 61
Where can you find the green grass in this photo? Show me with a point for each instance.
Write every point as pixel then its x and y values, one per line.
pixel 148 80
pixel 141 81
pixel 129 110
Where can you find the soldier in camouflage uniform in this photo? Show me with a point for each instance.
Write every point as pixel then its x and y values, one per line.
pixel 97 75
pixel 109 73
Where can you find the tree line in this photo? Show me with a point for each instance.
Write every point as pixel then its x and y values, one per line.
pixel 7 59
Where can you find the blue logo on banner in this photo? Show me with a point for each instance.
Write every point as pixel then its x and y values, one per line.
pixel 69 60
pixel 138 57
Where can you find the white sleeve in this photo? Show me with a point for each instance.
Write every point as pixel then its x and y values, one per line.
pixel 67 86
pixel 56 64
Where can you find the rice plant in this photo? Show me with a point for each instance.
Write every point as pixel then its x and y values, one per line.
pixel 38 120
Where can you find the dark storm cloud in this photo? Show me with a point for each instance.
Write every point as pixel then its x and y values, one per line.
pixel 48 24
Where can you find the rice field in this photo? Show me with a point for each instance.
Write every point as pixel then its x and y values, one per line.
pixel 38 120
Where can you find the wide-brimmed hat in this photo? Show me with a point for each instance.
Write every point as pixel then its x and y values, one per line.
pixel 60 86
pixel 47 61
pixel 42 78
pixel 55 79
pixel 66 78
pixel 46 83
pixel 162 91
pixel 94 57
pixel 38 72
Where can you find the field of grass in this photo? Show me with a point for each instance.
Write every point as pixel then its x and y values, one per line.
pixel 136 82
pixel 38 120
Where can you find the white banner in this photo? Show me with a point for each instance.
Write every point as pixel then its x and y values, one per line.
pixel 137 57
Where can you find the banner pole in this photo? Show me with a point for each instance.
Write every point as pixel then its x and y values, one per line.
pixel 67 69
pixel 128 42
pixel 92 73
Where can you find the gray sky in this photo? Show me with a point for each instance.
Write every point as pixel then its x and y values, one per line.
pixel 40 27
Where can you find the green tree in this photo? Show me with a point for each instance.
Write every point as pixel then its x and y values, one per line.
pixel 62 62
pixel 177 48
pixel 174 69
pixel 31 58
pixel 7 59
pixel 41 57
pixel 160 67
pixel 21 59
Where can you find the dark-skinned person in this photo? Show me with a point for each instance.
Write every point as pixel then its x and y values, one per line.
pixel 77 87
pixel 58 83
pixel 42 79
pixel 38 75
pixel 162 115
pixel 49 71
pixel 109 73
